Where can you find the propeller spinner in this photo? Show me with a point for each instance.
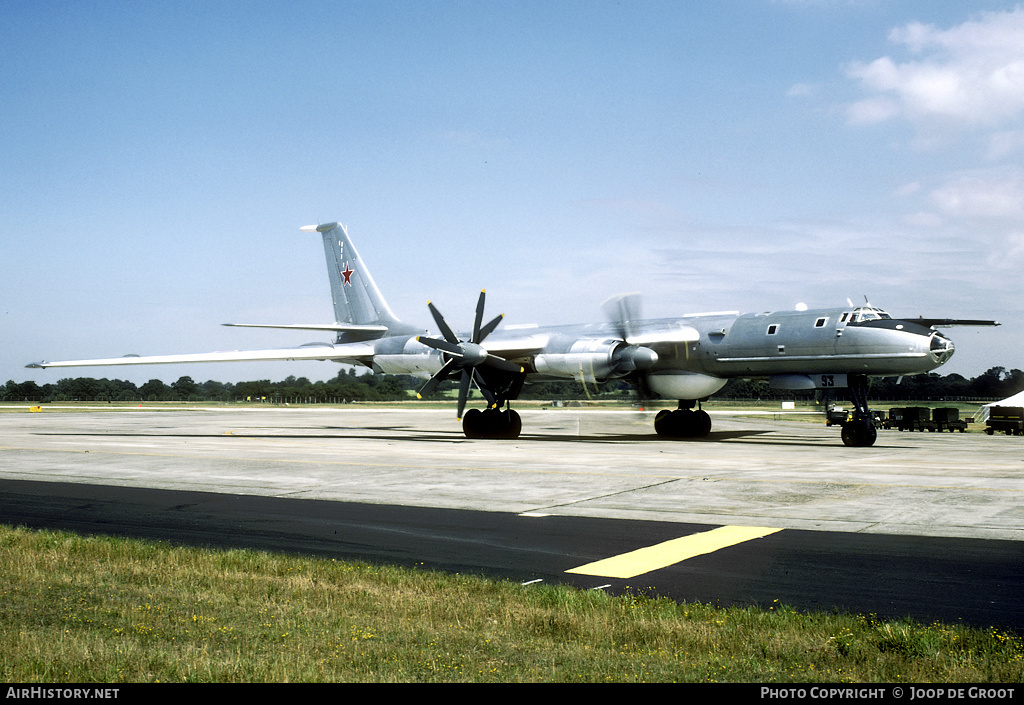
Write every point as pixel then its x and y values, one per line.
pixel 465 356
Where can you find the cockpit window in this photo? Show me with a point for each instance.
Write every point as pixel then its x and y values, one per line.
pixel 868 313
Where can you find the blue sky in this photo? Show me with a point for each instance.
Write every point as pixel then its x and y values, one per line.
pixel 157 160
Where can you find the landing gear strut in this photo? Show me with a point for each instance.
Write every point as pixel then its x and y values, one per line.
pixel 859 431
pixel 684 422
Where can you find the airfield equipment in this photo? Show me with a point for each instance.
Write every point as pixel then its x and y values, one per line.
pixel 1007 419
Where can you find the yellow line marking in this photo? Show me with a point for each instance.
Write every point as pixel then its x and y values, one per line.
pixel 644 560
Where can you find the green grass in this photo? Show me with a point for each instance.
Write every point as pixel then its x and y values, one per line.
pixel 76 609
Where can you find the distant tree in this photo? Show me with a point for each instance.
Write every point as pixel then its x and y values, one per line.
pixel 215 391
pixel 154 390
pixel 25 391
pixel 185 388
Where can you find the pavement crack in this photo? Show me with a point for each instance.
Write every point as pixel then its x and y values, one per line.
pixel 608 494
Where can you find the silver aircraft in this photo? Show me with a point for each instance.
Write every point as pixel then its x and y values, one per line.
pixel 688 358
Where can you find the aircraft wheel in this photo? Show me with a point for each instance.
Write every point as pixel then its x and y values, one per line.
pixel 702 424
pixel 492 423
pixel 473 423
pixel 514 424
pixel 662 425
pixel 682 423
pixel 859 434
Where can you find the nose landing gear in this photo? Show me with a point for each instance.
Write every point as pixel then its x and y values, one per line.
pixel 859 431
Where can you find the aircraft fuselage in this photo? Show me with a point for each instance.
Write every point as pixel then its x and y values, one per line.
pixel 710 349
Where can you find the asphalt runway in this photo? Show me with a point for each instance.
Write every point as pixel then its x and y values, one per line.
pixel 923 525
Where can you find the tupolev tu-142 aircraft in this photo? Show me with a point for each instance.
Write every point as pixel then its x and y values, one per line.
pixel 688 358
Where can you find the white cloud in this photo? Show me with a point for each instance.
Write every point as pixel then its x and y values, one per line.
pixel 1010 256
pixel 971 74
pixel 802 90
pixel 909 189
pixel 986 196
pixel 1004 144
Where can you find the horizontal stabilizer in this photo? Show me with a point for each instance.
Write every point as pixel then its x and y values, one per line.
pixel 334 327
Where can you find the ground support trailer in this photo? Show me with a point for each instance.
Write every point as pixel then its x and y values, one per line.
pixel 948 419
pixel 910 418
pixel 1007 419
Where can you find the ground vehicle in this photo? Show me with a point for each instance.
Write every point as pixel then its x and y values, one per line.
pixel 1008 419
pixel 948 418
pixel 910 418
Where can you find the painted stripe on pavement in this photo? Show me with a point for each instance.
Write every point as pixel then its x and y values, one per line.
pixel 644 560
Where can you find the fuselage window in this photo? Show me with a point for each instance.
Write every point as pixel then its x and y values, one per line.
pixel 820 323
pixel 773 328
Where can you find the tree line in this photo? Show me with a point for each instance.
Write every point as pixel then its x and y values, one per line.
pixel 995 383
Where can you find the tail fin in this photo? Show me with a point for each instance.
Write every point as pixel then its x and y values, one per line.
pixel 357 300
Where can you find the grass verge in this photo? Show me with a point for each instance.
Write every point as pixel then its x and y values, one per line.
pixel 101 609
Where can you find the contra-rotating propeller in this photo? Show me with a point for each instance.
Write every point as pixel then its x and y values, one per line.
pixel 466 356
pixel 633 360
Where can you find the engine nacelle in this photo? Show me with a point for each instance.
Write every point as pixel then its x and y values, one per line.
pixel 596 359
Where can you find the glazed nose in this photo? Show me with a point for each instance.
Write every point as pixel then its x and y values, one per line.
pixel 941 347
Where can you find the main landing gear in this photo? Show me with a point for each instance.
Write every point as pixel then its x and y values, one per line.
pixel 492 423
pixel 684 422
pixel 859 430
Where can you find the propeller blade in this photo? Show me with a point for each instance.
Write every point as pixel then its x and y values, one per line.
pixel 438 377
pixel 623 312
pixel 479 316
pixel 463 391
pixel 441 325
pixel 482 386
pixel 468 356
pixel 502 364
pixel 442 345
pixel 489 328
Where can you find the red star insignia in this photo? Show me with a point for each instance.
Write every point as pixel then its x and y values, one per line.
pixel 347 273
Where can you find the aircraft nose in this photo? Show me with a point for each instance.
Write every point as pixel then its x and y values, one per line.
pixel 941 347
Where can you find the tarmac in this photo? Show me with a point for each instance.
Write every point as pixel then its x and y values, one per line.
pixel 778 472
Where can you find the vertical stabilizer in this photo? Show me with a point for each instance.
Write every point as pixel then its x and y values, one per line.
pixel 356 298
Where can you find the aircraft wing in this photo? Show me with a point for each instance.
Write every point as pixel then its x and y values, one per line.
pixel 950 322
pixel 656 339
pixel 526 345
pixel 351 353
pixel 519 346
